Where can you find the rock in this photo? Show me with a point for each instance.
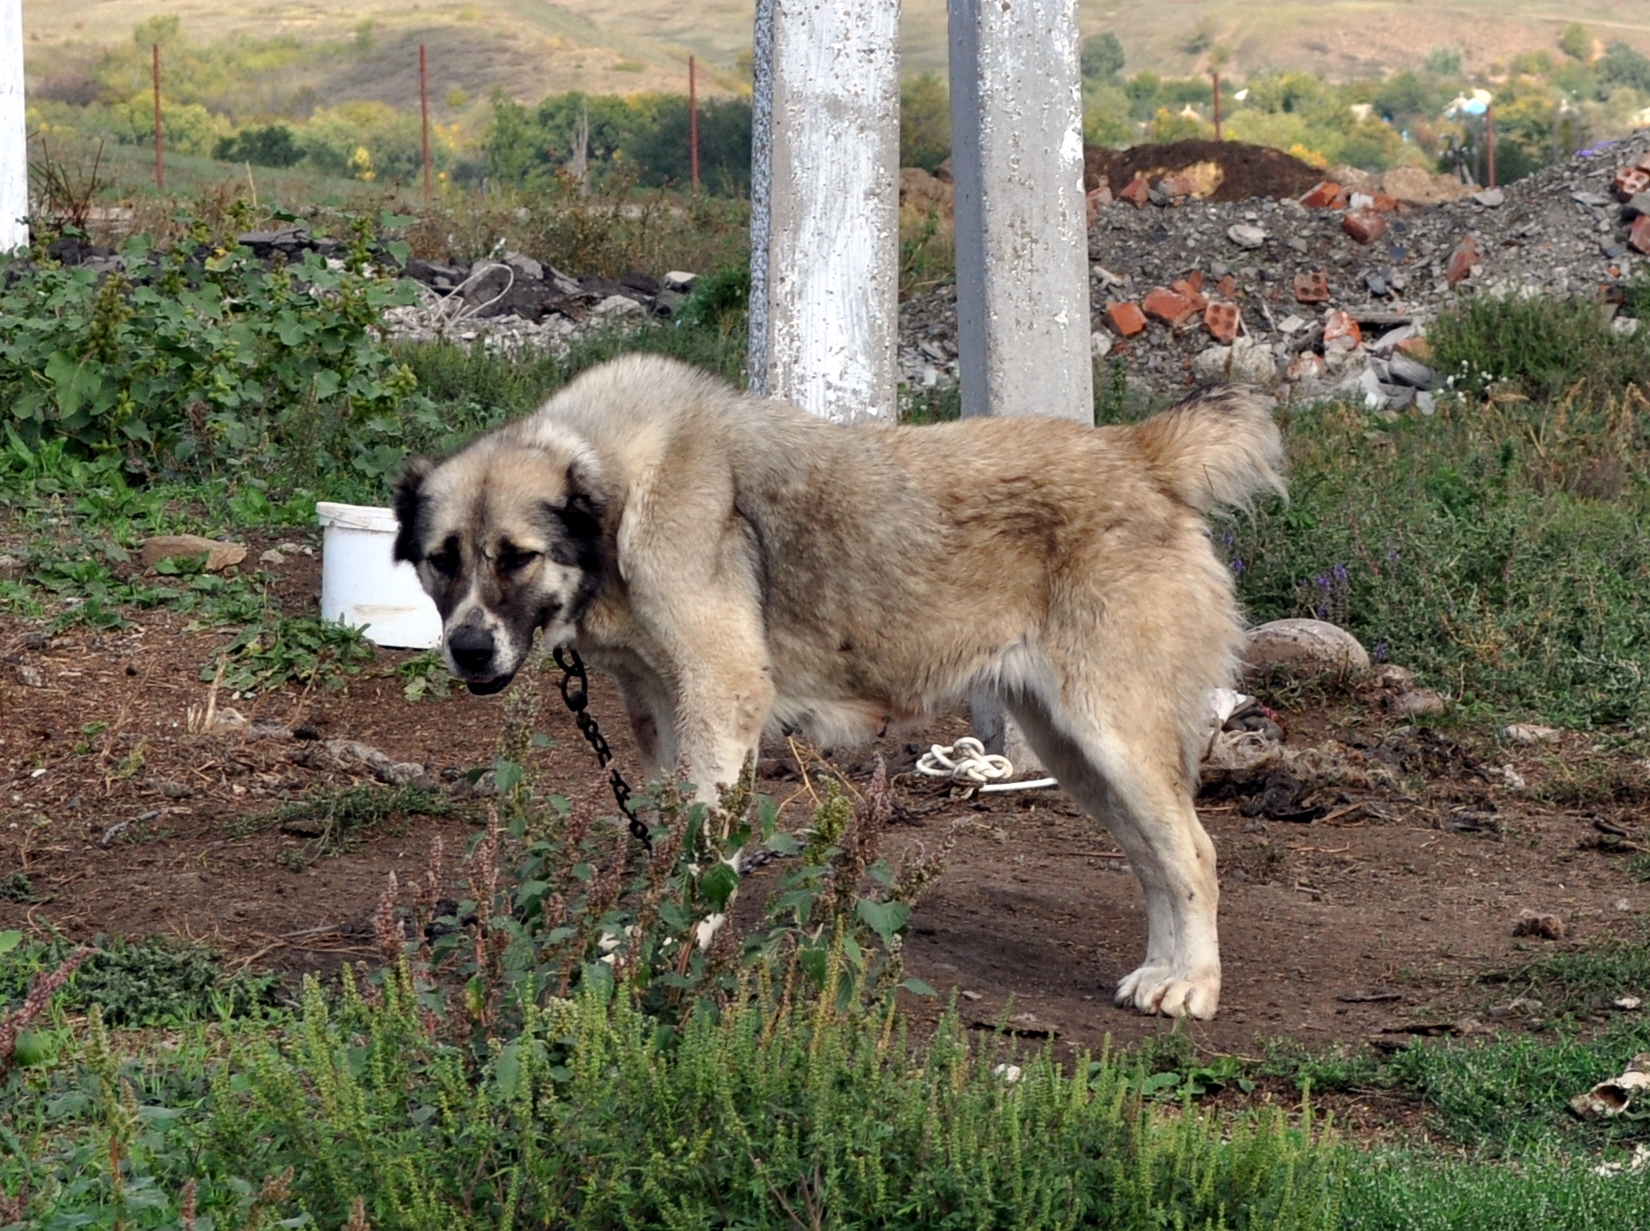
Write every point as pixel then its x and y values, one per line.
pixel 10 566
pixel 1245 235
pixel 617 305
pixel 1394 678
pixel 1492 198
pixel 1100 343
pixel 1416 703
pixel 1533 923
pixel 524 265
pixel 1411 372
pixel 30 676
pixel 34 640
pixel 1304 647
pixel 352 754
pixel 1246 360
pixel 679 280
pixel 219 555
pixel 1529 733
pixel 272 558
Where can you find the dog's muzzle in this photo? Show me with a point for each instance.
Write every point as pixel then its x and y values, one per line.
pixel 471 650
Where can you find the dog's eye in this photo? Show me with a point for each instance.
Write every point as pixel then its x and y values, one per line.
pixel 445 563
pixel 515 561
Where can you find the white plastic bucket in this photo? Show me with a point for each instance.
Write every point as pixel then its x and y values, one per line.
pixel 363 584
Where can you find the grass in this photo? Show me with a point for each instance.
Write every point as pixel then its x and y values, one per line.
pixel 336 820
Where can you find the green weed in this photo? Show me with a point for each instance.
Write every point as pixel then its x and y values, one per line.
pixel 336 820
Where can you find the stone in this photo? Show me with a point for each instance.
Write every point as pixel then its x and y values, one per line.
pixel 524 265
pixel 1405 370
pixel 1394 678
pixel 1304 647
pixel 1491 198
pixel 1323 196
pixel 1365 226
pixel 1100 343
pixel 1312 287
pixel 272 558
pixel 1126 318
pixel 1625 326
pixel 1173 186
pixel 1637 204
pixel 680 280
pixel 1638 235
pixel 219 555
pixel 1416 703
pixel 1461 264
pixel 1306 366
pixel 30 676
pixel 1341 332
pixel 1246 235
pixel 1162 304
pixel 1534 923
pixel 1222 320
pixel 1530 733
pixel 1135 192
pixel 617 305
pixel 1376 284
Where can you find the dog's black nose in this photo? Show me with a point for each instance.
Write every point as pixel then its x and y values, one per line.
pixel 471 647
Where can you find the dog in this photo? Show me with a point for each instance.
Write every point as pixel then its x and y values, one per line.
pixel 738 566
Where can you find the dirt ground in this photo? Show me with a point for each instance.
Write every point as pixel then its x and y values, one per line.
pixel 1245 170
pixel 1375 919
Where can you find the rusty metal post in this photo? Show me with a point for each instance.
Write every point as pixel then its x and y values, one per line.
pixel 160 156
pixel 424 110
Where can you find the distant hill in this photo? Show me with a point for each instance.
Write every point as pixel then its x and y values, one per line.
pixel 530 48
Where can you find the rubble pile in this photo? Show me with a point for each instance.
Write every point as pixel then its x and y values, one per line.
pixel 1331 289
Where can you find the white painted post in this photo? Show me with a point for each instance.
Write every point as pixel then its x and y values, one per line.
pixel 1023 337
pixel 14 137
pixel 824 314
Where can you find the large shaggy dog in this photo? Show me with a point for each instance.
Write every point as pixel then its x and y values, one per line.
pixel 737 565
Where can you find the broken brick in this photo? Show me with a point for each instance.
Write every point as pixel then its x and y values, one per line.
pixel 1135 192
pixel 1363 225
pixel 1227 287
pixel 1639 234
pixel 1312 287
pixel 1384 204
pixel 1341 332
pixel 1306 366
pixel 1222 321
pixel 1194 279
pixel 1322 196
pixel 1097 199
pixel 1185 288
pixel 1162 304
pixel 1460 265
pixel 1630 181
pixel 1126 318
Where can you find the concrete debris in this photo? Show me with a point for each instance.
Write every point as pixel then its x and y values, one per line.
pixel 1304 647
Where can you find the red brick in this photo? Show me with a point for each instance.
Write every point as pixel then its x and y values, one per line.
pixel 1177 186
pixel 1312 288
pixel 1164 305
pixel 1461 262
pixel 1630 181
pixel 1098 199
pixel 1227 287
pixel 1639 234
pixel 1341 332
pixel 1189 292
pixel 1385 204
pixel 1306 365
pixel 1222 321
pixel 1322 196
pixel 1363 225
pixel 1135 192
pixel 1126 318
pixel 1195 279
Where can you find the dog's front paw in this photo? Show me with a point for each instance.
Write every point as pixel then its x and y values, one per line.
pixel 1159 989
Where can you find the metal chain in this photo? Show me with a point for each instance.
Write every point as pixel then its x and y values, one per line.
pixel 575 690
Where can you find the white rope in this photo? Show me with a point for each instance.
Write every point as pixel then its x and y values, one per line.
pixel 968 764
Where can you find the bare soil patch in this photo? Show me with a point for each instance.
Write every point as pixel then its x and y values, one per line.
pixel 1376 919
pixel 1245 170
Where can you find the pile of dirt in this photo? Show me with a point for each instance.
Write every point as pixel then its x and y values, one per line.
pixel 1232 170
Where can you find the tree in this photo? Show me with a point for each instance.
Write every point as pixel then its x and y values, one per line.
pixel 1575 42
pixel 1102 57
pixel 1621 65
pixel 924 122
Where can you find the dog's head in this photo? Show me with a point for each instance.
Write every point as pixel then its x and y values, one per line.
pixel 508 536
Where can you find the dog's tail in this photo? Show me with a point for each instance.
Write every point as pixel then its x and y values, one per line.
pixel 1218 447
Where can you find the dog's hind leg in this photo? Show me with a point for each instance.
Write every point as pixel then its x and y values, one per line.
pixel 652 717
pixel 1130 775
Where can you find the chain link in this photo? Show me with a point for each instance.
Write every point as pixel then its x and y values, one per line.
pixel 575 691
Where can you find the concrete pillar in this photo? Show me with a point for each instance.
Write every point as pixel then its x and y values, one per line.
pixel 824 314
pixel 14 144
pixel 1021 231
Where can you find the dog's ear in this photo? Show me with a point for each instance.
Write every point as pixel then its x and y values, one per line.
pixel 405 502
pixel 587 502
